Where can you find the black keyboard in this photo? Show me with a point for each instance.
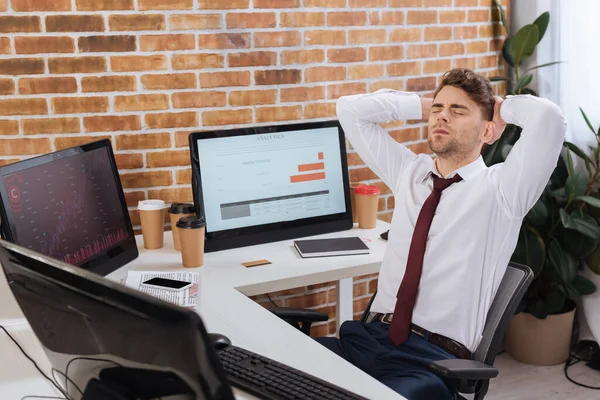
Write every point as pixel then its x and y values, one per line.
pixel 270 380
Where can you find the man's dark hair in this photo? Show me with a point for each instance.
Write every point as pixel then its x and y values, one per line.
pixel 477 87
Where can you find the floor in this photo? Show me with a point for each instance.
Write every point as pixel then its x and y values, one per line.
pixel 518 381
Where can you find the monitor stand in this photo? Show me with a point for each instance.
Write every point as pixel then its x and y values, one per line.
pixel 121 383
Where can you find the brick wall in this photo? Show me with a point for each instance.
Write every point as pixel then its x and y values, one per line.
pixel 145 73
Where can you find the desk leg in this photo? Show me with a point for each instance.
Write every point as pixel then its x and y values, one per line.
pixel 345 297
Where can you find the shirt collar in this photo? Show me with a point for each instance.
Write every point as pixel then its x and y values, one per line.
pixel 466 171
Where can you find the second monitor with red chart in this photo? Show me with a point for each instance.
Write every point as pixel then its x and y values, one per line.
pixel 270 183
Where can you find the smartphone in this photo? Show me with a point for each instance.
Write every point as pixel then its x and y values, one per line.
pixel 170 284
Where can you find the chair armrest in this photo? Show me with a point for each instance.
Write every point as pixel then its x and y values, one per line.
pixel 463 369
pixel 299 314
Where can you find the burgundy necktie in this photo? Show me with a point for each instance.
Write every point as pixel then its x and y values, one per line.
pixel 407 293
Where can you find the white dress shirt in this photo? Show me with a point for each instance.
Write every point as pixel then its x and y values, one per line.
pixel 476 225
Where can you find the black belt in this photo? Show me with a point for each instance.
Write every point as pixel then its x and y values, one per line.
pixel 450 345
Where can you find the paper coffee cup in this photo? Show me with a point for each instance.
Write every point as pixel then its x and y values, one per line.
pixel 176 212
pixel 152 216
pixel 354 185
pixel 191 237
pixel 367 202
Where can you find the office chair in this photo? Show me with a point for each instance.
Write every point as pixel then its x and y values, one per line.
pixel 472 376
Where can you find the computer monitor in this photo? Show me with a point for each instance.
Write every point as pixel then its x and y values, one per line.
pixel 70 206
pixel 106 341
pixel 270 183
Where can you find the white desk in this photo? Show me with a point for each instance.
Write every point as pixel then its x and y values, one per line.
pixel 225 308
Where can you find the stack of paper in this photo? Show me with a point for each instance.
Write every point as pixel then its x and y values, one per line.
pixel 184 298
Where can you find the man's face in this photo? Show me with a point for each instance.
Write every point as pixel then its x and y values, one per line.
pixel 456 124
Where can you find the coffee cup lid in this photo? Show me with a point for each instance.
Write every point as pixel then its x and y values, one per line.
pixel 149 205
pixel 191 222
pixel 181 208
pixel 367 189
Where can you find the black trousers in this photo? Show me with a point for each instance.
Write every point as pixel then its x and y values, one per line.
pixel 403 368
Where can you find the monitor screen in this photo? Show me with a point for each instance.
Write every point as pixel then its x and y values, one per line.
pixel 102 337
pixel 68 206
pixel 262 184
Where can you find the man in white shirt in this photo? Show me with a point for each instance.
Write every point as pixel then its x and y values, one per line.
pixel 459 258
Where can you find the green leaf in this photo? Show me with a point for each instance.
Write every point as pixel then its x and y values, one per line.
pixel 502 16
pixel 555 301
pixel 576 184
pixel 587 121
pixel 529 91
pixel 593 261
pixel 530 250
pixel 523 81
pixel 538 214
pixel 542 23
pixel 592 201
pixel 543 65
pixel 585 225
pixel 538 309
pixel 578 244
pixel 506 52
pixel 581 154
pixel 524 42
pixel 500 78
pixel 565 265
pixel 583 286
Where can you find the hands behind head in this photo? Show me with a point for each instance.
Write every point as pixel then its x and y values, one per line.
pixel 499 123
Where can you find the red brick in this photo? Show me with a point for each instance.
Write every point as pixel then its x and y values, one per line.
pixel 172 195
pixel 100 44
pixel 41 5
pixel 386 18
pixel 487 61
pixel 368 3
pixel 277 39
pixel 138 63
pixel 61 143
pixel 465 32
pixel 186 22
pixel 219 5
pixel 438 33
pixel 309 300
pixel 253 59
pixel 466 3
pixel 420 148
pixel 169 81
pixel 77 105
pixel 50 125
pixel 386 53
pixel 302 56
pixel 47 85
pixel 74 23
pixel 345 89
pixel 404 68
pixel 276 3
pixel 7 86
pixel 301 19
pixel 489 31
pixel 101 5
pixel 279 113
pixel 224 41
pixel 478 16
pixel 171 120
pixel 9 127
pixel 3 5
pixel 346 18
pixel 367 36
pixel 137 22
pixel 165 5
pixel 199 99
pixel 346 55
pixel 131 198
pixel 5 45
pixel 320 74
pixel 143 141
pixel 131 161
pixel 21 66
pixel 319 110
pixel 183 176
pixel 142 102
pixel 437 66
pixel 362 174
pixel 24 146
pixel 74 65
pixel 23 107
pixel 252 97
pixel 406 3
pixel 452 17
pixel 365 71
pixel 354 159
pixel 25 24
pixel 41 44
pixel 229 117
pixel 406 35
pixel 224 79
pixel 477 47
pixel 167 42
pixel 197 61
pixel 297 94
pixel 251 20
pixel 325 3
pixel 182 138
pixel 112 123
pixel 332 37
pixel 451 49
pixel 112 83
pixel 421 51
pixel 277 76
pixel 421 17
pixel 146 179
pixel 470 63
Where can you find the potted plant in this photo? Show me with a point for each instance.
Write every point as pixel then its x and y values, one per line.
pixel 557 234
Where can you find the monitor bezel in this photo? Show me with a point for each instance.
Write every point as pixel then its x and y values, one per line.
pixel 277 231
pixel 103 263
